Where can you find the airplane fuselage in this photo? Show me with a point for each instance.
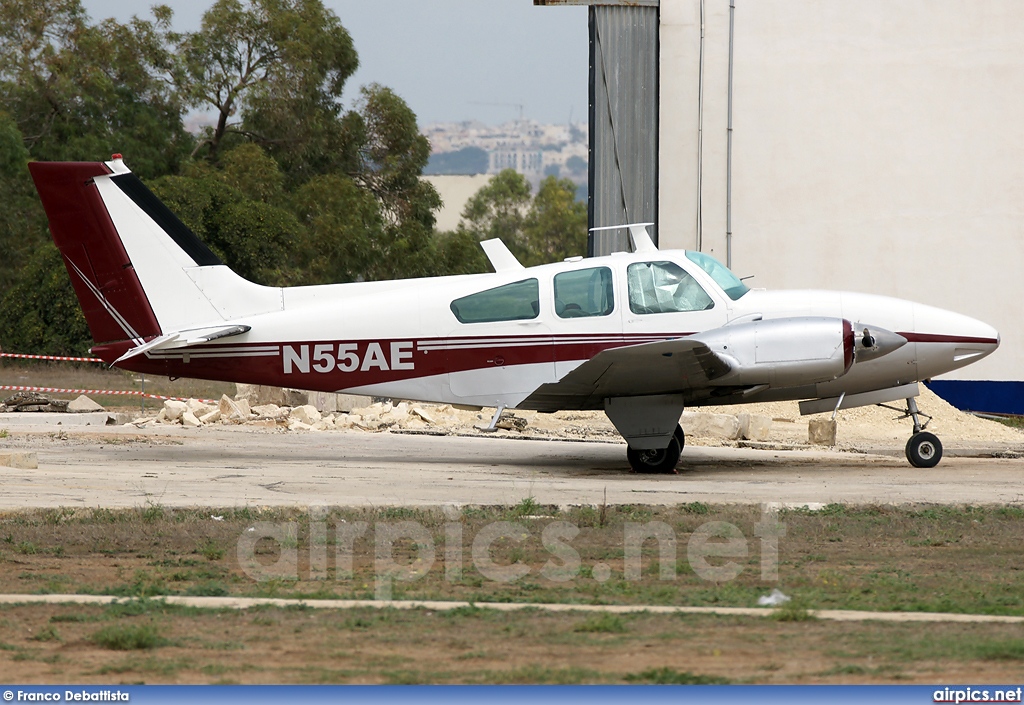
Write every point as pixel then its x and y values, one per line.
pixel 401 338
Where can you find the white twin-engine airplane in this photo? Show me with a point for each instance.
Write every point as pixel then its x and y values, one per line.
pixel 640 335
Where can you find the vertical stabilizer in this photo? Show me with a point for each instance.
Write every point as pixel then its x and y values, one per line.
pixel 111 296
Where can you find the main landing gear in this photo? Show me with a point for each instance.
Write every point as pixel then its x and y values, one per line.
pixel 650 425
pixel 659 461
pixel 924 450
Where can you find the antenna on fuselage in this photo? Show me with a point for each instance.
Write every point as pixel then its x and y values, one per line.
pixel 642 241
pixel 500 256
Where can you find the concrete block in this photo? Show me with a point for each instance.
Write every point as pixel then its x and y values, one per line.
pixel 189 419
pixel 822 432
pixel 173 409
pixel 258 394
pixel 305 414
pixel 269 411
pixel 94 418
pixel 725 426
pixel 22 460
pixel 754 427
pixel 417 411
pixel 199 408
pixel 212 417
pixel 233 410
pixel 83 405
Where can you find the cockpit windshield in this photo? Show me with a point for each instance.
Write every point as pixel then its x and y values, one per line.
pixel 730 283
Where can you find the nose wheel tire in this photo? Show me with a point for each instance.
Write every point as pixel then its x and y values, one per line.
pixel 924 450
pixel 657 461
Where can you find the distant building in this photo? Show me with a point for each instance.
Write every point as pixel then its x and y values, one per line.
pixel 533 149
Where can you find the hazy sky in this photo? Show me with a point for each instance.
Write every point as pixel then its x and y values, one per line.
pixel 449 59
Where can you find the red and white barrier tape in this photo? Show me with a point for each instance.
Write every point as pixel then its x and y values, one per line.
pixel 52 357
pixel 99 392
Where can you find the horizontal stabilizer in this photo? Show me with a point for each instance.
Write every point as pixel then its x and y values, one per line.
pixel 184 338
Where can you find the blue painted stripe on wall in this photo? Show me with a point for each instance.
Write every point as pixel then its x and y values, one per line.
pixel 984 396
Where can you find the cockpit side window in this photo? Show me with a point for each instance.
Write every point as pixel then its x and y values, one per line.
pixel 584 293
pixel 664 287
pixel 518 301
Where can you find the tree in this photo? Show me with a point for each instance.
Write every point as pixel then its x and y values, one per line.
pixel 40 313
pixel 280 66
pixel 22 221
pixel 498 210
pixel 239 211
pixel 556 226
pixel 547 228
pixel 77 91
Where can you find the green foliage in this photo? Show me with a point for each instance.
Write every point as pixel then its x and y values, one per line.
pixel 40 313
pixel 670 676
pixel 546 228
pixel 556 226
pixel 281 65
pixel 47 633
pixel 128 637
pixel 288 188
pixel 498 210
pixel 604 623
pixel 78 90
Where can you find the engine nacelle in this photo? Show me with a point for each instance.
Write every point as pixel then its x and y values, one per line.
pixel 783 352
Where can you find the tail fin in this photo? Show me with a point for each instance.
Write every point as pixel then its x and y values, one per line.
pixel 138 271
pixel 108 288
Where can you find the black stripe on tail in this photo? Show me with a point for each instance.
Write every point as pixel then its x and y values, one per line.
pixel 162 216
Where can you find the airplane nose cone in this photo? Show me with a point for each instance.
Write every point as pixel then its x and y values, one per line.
pixel 947 341
pixel 874 342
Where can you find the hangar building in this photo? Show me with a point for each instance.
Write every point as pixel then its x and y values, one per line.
pixel 874 146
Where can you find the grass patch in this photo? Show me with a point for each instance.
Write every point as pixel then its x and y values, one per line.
pixel 670 676
pixel 604 623
pixel 792 611
pixel 1010 650
pixel 1012 421
pixel 129 637
pixel 47 633
pixel 210 551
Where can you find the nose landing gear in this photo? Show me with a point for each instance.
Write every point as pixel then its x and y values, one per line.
pixel 924 450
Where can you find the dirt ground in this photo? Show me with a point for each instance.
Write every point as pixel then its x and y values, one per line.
pixel 868 558
pixel 41 644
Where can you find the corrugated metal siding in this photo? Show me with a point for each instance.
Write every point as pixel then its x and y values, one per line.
pixel 623 122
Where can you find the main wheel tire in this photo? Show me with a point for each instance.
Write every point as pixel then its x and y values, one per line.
pixel 680 437
pixel 924 450
pixel 660 461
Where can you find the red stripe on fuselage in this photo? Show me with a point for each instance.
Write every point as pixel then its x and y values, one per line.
pixel 937 338
pixel 264 363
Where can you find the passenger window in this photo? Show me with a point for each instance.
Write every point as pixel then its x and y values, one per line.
pixel 664 287
pixel 587 292
pixel 512 302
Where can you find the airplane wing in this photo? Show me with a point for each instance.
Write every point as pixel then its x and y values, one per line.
pixel 747 356
pixel 664 367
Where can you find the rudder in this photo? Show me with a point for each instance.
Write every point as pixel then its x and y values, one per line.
pixel 112 297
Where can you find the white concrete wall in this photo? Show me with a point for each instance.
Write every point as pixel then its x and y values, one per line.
pixel 878 146
pixel 455 192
